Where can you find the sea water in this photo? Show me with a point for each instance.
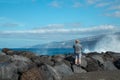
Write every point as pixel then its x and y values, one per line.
pixel 46 51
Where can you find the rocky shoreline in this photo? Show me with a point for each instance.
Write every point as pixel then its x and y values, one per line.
pixel 23 65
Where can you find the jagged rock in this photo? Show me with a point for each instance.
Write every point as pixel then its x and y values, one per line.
pixel 117 63
pixel 83 61
pixel 50 72
pixel 25 65
pixel 58 59
pixel 33 74
pixel 78 69
pixel 93 65
pixel 4 58
pixel 38 60
pixel 98 58
pixel 19 58
pixel 8 71
pixel 27 54
pixel 67 63
pixel 22 63
pixel 109 66
pixel 70 58
pixel 5 50
pixel 63 70
pixel 108 56
pixel 2 53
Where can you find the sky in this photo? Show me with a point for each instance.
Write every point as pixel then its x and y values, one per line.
pixel 24 23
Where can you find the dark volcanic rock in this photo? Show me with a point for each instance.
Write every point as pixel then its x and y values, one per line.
pixel 23 65
pixel 8 71
pixel 109 66
pixel 101 75
pixel 5 50
pixel 63 70
pixel 33 74
pixel 38 60
pixel 117 63
pixel 93 65
pixel 4 58
pixel 50 72
pixel 27 54
pixel 78 69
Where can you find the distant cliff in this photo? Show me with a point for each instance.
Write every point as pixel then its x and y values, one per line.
pixel 87 42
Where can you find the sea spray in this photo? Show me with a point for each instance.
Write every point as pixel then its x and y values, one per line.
pixel 108 43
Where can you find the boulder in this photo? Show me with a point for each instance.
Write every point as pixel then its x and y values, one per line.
pixel 8 71
pixel 21 63
pixel 70 58
pixel 50 72
pixel 58 59
pixel 33 74
pixel 93 65
pixel 2 53
pixel 63 70
pixel 83 61
pixel 98 58
pixel 117 63
pixel 108 65
pixel 78 69
pixel 27 54
pixel 5 50
pixel 108 56
pixel 4 58
pixel 38 60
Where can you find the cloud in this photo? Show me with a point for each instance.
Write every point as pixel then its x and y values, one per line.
pixel 115 7
pixel 92 1
pixel 65 30
pixel 10 24
pixel 103 4
pixel 77 5
pixel 45 35
pixel 114 14
pixel 6 22
pixel 55 4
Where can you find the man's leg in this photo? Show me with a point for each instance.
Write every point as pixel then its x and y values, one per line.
pixel 77 59
pixel 80 59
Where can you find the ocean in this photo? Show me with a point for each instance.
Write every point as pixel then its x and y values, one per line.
pixel 46 51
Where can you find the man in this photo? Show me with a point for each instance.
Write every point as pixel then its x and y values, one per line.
pixel 77 50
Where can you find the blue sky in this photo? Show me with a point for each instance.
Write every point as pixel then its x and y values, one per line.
pixel 24 23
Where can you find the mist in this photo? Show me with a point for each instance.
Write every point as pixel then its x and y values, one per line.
pixel 108 43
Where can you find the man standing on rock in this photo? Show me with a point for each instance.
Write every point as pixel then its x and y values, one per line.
pixel 77 50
